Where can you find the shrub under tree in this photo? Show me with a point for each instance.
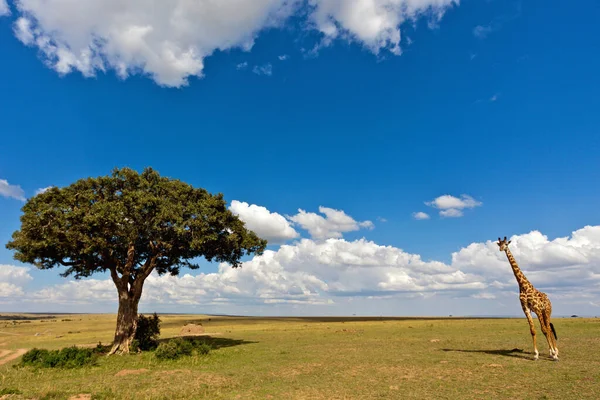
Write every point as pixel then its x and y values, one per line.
pixel 147 332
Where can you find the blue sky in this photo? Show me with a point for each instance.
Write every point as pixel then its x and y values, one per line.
pixel 496 100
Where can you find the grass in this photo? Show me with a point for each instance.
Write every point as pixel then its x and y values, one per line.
pixel 317 358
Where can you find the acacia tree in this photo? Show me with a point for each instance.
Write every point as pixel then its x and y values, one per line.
pixel 129 224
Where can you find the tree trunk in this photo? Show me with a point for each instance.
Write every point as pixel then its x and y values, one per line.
pixel 126 322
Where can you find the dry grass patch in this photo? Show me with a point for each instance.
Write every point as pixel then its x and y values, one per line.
pixel 296 370
pixel 125 372
pixel 82 396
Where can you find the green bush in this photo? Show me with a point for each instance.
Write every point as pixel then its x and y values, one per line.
pixel 147 333
pixel 203 348
pixel 69 357
pixel 178 347
pixel 101 349
pixel 173 349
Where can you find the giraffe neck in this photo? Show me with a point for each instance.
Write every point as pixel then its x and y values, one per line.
pixel 521 279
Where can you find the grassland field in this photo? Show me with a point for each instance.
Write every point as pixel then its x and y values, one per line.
pixel 312 358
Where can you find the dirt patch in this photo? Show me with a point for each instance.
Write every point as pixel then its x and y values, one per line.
pixel 191 330
pixel 4 352
pixel 434 340
pixel 82 396
pixel 13 356
pixel 125 372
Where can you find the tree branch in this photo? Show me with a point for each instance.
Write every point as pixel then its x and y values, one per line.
pixel 67 263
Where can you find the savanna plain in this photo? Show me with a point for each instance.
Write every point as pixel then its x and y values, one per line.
pixel 310 358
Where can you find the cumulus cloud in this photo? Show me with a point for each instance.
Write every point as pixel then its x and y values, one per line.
pixel 4 9
pixel 12 281
pixel 375 24
pixel 242 66
pixel 266 69
pixel 307 272
pixel 332 272
pixel 88 291
pixel 451 213
pixel 283 57
pixel 333 225
pixel 561 266
pixel 420 215
pixel 451 206
pixel 267 225
pixel 11 191
pixel 169 39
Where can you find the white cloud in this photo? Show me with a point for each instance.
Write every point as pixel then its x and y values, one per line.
pixel 374 23
pixel 266 69
pixel 43 190
pixel 169 39
pixel 271 226
pixel 4 8
pixel 11 191
pixel 451 213
pixel 329 275
pixel 12 281
pixel 447 201
pixel 86 291
pixel 559 266
pixel 451 206
pixel 307 272
pixel 420 215
pixel 494 98
pixel 333 225
pixel 283 57
pixel 242 66
pixel 381 219
pixel 483 295
pixel 165 39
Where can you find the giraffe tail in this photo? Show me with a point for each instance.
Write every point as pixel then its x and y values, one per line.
pixel 553 331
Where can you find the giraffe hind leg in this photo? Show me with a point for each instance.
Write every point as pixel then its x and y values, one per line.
pixel 551 337
pixel 546 331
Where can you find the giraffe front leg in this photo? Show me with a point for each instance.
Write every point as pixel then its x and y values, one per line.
pixel 532 330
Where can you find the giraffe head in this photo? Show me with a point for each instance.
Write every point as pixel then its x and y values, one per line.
pixel 503 244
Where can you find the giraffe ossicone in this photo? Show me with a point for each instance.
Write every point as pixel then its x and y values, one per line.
pixel 532 300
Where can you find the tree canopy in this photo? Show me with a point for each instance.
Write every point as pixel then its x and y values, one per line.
pixel 130 224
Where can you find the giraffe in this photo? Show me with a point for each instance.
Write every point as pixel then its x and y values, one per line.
pixel 533 300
